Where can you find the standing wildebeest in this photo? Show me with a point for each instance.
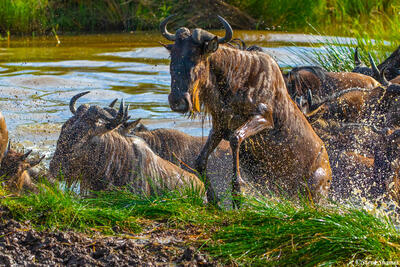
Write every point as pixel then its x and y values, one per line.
pixel 91 148
pixel 14 165
pixel 245 94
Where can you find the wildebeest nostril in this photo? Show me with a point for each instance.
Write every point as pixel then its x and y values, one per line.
pixel 179 103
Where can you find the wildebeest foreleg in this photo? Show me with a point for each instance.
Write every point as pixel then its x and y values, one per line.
pixel 253 126
pixel 213 140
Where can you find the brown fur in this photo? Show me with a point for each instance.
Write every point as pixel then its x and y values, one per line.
pixel 396 80
pixel 378 106
pixel 178 147
pixel 14 165
pixel 103 158
pixel 324 83
pixel 244 92
pixel 3 136
pixel 14 168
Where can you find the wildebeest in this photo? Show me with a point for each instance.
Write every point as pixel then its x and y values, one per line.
pixel 245 94
pixel 323 83
pixel 390 66
pixel 91 148
pixel 378 106
pixel 182 149
pixel 15 168
pixel 14 165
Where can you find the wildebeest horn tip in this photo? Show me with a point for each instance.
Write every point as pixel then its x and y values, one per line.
pixel 357 61
pixel 374 68
pixel 228 31
pixel 163 28
pixel 111 105
pixel 73 101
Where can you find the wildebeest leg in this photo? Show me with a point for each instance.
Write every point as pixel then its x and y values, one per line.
pixel 253 126
pixel 213 140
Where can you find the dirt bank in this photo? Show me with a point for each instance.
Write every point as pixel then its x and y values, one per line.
pixel 20 245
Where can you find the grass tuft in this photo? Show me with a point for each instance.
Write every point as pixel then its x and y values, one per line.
pixel 281 233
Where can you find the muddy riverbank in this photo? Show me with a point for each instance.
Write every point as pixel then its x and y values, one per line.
pixel 157 245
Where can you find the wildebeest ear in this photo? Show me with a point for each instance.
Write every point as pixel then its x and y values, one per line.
pixel 211 46
pixel 167 46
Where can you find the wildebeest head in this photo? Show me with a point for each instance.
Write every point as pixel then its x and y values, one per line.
pixel 14 167
pixel 187 67
pixel 79 133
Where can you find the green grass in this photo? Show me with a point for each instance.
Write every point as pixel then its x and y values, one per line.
pixel 34 17
pixel 332 15
pixel 262 232
pixel 281 233
pixel 335 55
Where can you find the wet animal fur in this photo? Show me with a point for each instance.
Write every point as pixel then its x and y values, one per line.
pixel 323 83
pixel 14 169
pixel 102 159
pixel 3 136
pixel 14 166
pixel 177 147
pixel 236 85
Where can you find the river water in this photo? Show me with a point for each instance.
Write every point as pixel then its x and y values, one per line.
pixel 38 77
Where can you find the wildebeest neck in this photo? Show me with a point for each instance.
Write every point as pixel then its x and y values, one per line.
pixel 237 81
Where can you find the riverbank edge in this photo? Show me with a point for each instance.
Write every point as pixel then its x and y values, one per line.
pixel 264 231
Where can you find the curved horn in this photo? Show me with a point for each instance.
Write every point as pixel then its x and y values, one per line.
pixel 357 60
pixel 26 154
pixel 163 28
pixel 73 101
pixel 33 163
pixel 111 105
pixel 228 31
pixel 374 68
pixel 383 79
pixel 200 35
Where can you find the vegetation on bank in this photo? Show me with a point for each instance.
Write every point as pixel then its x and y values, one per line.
pixel 262 232
pixel 42 16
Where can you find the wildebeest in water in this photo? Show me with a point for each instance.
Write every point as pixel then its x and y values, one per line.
pixel 91 149
pixel 14 165
pixel 182 149
pixel 245 94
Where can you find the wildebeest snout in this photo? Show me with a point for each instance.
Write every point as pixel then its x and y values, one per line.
pixel 180 102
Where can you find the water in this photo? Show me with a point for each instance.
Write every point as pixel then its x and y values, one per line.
pixel 38 77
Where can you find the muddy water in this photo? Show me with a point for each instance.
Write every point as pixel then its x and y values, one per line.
pixel 38 77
